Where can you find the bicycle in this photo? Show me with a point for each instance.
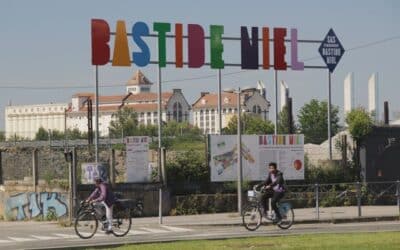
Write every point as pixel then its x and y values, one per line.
pixel 252 213
pixel 89 215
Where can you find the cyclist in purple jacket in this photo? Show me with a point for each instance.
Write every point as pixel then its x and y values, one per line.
pixel 103 195
pixel 274 189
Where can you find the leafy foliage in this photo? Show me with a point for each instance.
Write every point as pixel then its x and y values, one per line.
pixel 360 123
pixel 188 166
pixel 313 118
pixel 125 123
pixel 250 124
pixel 2 136
pixel 283 122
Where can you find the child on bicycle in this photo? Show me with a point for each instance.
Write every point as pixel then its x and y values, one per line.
pixel 103 195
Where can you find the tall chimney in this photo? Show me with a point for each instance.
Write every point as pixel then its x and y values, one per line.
pixel 386 112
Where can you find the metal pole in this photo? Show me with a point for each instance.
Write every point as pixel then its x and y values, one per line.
pixel 317 200
pixel 74 179
pixel 329 115
pixel 358 188
pixel 239 150
pixel 398 195
pixel 71 189
pixel 97 116
pixel 276 101
pixel 219 103
pixel 159 146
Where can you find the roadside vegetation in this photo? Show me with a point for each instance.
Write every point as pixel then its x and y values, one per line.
pixel 354 241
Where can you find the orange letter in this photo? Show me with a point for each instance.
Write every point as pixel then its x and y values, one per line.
pixel 121 50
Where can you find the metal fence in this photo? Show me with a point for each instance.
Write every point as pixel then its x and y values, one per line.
pixel 340 200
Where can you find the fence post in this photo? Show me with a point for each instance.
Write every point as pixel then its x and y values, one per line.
pixel 74 180
pixel 398 195
pixel 358 188
pixel 317 199
pixel 112 168
pixel 1 169
pixel 35 169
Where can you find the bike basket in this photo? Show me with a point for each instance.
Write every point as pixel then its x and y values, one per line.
pixel 253 196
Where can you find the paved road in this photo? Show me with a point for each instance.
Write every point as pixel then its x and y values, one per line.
pixel 41 235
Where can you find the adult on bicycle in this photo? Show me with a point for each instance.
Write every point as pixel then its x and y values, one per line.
pixel 103 195
pixel 274 189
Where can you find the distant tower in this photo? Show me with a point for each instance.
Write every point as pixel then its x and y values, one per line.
pixel 348 93
pixel 373 101
pixel 138 83
pixel 261 89
pixel 284 94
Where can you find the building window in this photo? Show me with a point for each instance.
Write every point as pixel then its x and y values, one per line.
pixel 256 109
pixel 177 111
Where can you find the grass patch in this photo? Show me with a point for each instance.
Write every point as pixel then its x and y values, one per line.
pixel 361 241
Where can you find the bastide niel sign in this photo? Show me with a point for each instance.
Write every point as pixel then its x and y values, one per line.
pixel 122 56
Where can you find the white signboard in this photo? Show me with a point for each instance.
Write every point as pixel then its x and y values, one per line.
pixel 90 172
pixel 257 152
pixel 137 162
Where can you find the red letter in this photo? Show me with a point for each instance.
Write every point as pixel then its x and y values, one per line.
pixel 279 49
pixel 100 39
pixel 178 46
pixel 196 45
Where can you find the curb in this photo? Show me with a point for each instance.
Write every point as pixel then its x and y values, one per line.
pixel 306 221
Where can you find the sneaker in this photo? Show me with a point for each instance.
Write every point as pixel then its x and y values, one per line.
pixel 108 231
pixel 277 220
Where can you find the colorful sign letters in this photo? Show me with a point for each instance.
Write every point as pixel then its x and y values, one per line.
pixel 250 45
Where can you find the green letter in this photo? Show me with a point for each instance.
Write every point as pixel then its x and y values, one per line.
pixel 217 47
pixel 162 28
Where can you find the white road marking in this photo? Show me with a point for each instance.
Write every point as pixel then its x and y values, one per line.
pixel 18 239
pixel 44 237
pixel 176 229
pixel 67 236
pixel 137 232
pixel 5 241
pixel 153 230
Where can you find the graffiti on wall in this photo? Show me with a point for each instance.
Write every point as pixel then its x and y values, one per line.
pixel 30 205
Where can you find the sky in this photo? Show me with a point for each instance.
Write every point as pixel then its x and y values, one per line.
pixel 45 48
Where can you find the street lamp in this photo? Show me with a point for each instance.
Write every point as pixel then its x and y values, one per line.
pixel 239 150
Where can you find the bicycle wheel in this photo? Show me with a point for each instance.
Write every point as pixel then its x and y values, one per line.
pixel 287 214
pixel 251 217
pixel 122 222
pixel 86 225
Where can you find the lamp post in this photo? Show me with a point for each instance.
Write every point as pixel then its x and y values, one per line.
pixel 239 149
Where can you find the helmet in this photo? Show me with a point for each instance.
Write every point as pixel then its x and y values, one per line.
pixel 98 179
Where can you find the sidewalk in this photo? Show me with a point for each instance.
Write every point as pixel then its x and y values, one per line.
pixel 302 215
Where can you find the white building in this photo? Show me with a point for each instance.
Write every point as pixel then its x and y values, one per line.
pixel 138 97
pixel 24 121
pixel 373 101
pixel 284 94
pixel 348 93
pixel 205 109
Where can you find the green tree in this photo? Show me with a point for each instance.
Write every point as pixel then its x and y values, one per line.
pixel 250 124
pixel 42 134
pixel 189 166
pixel 56 135
pixel 283 122
pixel 360 124
pixel 313 118
pixel 125 123
pixel 2 136
pixel 75 134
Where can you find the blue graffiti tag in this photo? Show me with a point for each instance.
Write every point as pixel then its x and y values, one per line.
pixel 37 204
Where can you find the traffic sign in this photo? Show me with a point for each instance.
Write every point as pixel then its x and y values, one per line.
pixel 331 50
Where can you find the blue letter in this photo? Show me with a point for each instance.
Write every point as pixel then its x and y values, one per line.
pixel 141 59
